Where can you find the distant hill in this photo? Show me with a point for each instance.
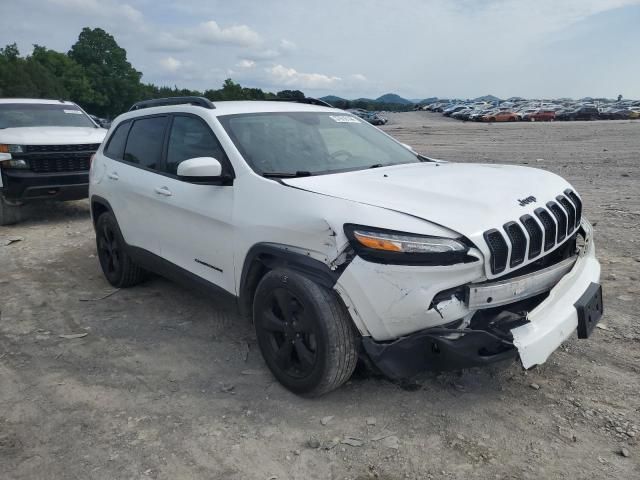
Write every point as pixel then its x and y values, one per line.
pixel 332 99
pixel 393 98
pixel 487 98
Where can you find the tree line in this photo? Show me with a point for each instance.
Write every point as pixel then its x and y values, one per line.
pixel 96 74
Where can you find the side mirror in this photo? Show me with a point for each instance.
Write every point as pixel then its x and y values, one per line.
pixel 203 171
pixel 199 167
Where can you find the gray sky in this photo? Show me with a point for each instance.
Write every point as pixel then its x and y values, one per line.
pixel 416 48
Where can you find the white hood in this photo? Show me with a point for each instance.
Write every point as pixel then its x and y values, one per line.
pixel 51 135
pixel 467 198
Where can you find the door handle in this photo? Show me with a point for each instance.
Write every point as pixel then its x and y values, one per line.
pixel 163 191
pixel 113 176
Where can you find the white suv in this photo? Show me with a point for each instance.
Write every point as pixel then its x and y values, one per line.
pixel 341 243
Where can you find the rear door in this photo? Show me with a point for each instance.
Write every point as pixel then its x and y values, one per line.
pixel 198 231
pixel 133 178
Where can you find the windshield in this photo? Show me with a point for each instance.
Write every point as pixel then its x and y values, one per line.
pixel 311 143
pixel 15 115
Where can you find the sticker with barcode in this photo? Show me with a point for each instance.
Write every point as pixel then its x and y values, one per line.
pixel 77 112
pixel 344 119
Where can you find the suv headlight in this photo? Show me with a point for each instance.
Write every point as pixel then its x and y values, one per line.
pixel 4 148
pixel 388 246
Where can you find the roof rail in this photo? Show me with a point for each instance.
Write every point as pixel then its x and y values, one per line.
pixel 161 102
pixel 307 100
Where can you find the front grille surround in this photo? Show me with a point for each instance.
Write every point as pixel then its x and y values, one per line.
pixel 533 235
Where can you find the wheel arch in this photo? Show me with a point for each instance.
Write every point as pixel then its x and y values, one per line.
pixel 263 257
pixel 98 206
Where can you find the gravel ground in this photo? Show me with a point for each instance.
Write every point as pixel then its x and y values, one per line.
pixel 168 384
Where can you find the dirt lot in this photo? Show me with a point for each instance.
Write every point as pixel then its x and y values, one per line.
pixel 170 385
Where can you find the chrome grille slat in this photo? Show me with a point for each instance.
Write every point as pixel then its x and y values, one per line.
pixel 578 204
pixel 549 227
pixel 535 235
pixel 561 218
pixel 518 243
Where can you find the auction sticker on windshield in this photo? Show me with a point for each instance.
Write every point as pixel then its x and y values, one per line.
pixel 77 112
pixel 344 119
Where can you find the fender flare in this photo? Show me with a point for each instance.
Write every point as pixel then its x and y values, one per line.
pixel 95 201
pixel 263 256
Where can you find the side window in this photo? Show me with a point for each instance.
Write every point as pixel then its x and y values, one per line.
pixel 115 147
pixel 190 138
pixel 144 145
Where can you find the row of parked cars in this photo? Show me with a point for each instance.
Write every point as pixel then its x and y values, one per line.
pixel 536 110
pixel 374 118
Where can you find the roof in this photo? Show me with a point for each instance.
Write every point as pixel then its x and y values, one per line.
pixel 35 100
pixel 232 107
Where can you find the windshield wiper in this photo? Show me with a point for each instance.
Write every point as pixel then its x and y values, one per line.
pixel 296 174
pixel 376 165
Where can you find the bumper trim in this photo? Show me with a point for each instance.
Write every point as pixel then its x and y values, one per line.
pixel 437 349
pixel 490 295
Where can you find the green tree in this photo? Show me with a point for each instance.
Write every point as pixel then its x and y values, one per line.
pixel 115 83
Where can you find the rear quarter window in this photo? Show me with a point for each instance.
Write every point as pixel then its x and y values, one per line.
pixel 117 141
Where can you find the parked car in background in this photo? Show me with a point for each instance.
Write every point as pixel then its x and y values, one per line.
pixel 614 113
pixel 540 116
pixel 501 116
pixel 580 113
pixel 634 112
pixel 103 122
pixel 45 153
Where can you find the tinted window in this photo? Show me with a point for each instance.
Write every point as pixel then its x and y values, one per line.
pixel 115 148
pixel 144 145
pixel 190 138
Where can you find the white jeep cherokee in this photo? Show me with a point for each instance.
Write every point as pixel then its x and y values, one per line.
pixel 45 151
pixel 342 243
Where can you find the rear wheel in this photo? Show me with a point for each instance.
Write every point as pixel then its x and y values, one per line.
pixel 118 267
pixel 10 212
pixel 305 334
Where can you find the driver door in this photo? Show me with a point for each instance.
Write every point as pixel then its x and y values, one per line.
pixel 198 227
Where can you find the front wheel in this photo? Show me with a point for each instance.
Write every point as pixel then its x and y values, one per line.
pixel 10 212
pixel 304 332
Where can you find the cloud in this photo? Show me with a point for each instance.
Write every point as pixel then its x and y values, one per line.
pixel 240 35
pixel 279 74
pixel 170 64
pixel 244 63
pixel 101 8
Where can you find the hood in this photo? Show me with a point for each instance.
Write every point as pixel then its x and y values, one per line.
pixel 51 135
pixel 467 198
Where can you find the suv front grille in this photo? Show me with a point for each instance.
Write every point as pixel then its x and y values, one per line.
pixel 81 147
pixel 60 158
pixel 553 225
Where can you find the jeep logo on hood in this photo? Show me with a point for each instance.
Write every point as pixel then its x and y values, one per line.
pixel 527 201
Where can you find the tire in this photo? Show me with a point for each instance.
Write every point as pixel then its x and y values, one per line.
pixel 10 213
pixel 118 267
pixel 304 332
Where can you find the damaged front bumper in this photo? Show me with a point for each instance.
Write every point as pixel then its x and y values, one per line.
pixel 550 304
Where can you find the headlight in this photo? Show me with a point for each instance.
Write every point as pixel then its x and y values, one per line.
pixel 4 148
pixel 387 246
pixel 14 163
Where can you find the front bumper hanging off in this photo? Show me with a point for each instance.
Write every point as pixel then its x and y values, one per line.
pixel 573 302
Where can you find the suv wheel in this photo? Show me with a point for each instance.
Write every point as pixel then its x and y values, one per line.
pixel 304 333
pixel 10 213
pixel 118 267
